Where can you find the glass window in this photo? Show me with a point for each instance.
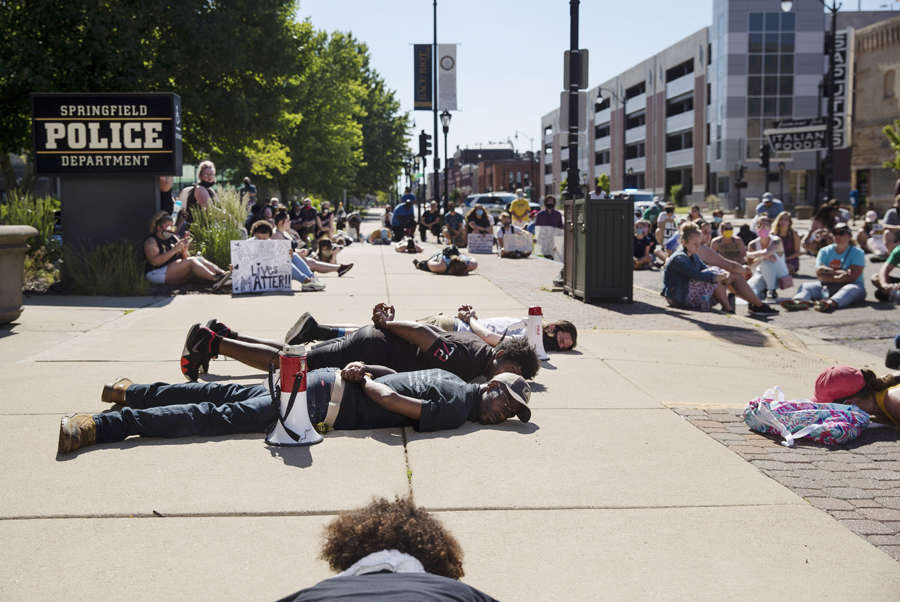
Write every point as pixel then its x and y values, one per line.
pixel 771 85
pixel 787 63
pixel 771 42
pixel 755 42
pixel 770 107
pixel 787 42
pixel 772 21
pixel 786 85
pixel 755 63
pixel 756 21
pixel 754 106
pixel 754 85
pixel 787 22
pixel 786 106
pixel 771 62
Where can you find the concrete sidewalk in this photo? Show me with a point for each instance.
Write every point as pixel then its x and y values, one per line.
pixel 609 493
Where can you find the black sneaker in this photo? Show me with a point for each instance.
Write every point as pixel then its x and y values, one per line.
pixel 761 310
pixel 303 330
pixel 345 267
pixel 221 330
pixel 882 295
pixel 197 352
pixel 892 359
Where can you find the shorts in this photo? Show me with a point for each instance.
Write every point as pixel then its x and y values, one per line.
pixel 157 276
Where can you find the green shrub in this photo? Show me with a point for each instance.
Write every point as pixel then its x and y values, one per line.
pixel 216 226
pixel 23 209
pixel 110 269
pixel 676 192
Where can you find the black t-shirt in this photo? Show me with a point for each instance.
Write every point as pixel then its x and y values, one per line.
pixel 484 221
pixel 449 402
pixel 640 245
pixel 397 587
pixel 368 345
pixel 462 353
pixel 430 216
pixel 307 214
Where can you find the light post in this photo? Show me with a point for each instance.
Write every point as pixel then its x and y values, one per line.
pixel 828 91
pixel 621 100
pixel 445 122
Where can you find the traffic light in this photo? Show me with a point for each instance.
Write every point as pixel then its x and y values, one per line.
pixel 764 152
pixel 424 144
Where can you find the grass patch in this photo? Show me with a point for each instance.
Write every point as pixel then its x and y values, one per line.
pixel 111 269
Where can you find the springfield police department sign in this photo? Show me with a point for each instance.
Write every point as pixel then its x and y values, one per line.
pixel 107 133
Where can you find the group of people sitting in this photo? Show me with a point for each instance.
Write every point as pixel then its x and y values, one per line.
pixel 432 374
pixel 706 264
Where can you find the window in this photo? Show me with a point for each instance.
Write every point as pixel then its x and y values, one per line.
pixel 679 141
pixel 633 151
pixel 601 104
pixel 680 104
pixel 548 130
pixel 890 79
pixel 548 168
pixel 770 69
pixel 601 131
pixel 635 90
pixel 709 55
pixel 636 119
pixel 680 70
pixel 708 94
pixel 601 157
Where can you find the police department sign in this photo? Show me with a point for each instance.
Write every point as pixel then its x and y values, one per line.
pixel 107 133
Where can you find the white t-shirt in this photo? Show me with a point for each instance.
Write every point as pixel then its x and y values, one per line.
pixel 513 327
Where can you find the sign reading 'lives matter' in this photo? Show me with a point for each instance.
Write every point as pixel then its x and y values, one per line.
pixel 260 266
pixel 138 133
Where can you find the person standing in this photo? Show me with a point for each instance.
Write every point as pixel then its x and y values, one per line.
pixel 548 226
pixel 520 209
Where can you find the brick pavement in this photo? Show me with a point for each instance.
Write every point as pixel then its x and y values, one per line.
pixel 858 483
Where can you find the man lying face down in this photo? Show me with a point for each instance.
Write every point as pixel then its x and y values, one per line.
pixel 359 396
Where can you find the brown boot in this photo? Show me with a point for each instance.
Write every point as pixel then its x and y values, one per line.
pixel 76 431
pixel 115 392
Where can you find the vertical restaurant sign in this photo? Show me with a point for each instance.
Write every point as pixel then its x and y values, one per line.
pixel 86 133
pixel 843 76
pixel 422 77
pixel 446 77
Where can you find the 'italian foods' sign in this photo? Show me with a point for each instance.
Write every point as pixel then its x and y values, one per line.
pixel 107 133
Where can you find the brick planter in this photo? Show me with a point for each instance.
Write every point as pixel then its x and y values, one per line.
pixel 12 269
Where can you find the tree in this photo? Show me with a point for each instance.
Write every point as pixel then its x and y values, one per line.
pixel 603 182
pixel 892 131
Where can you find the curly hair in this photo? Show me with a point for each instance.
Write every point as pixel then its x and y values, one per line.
pixel 398 525
pixel 519 351
pixel 457 267
pixel 565 326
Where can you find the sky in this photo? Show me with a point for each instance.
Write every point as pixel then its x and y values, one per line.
pixel 510 53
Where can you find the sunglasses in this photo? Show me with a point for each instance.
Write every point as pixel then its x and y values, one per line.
pixel 841 231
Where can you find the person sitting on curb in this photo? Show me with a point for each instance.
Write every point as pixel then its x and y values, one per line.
pixel 766 257
pixel 839 268
pixel 168 260
pixel 559 335
pixel 390 551
pixel 359 396
pixel 399 345
pixel 885 284
pixel 879 396
pixel 513 241
pixel 449 261
pixel 737 274
pixel 687 281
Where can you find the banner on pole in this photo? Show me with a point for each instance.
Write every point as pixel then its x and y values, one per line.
pixel 422 77
pixel 446 77
pixel 842 88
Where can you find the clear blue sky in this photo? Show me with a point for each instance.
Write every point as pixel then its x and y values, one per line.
pixel 510 54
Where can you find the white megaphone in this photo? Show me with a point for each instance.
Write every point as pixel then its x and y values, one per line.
pixel 535 331
pixel 293 427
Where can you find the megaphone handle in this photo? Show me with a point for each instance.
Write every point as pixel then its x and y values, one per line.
pixel 275 394
pixel 290 406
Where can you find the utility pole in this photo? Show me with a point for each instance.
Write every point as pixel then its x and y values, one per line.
pixel 573 189
pixel 434 107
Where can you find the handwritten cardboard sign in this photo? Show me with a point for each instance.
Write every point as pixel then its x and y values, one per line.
pixel 260 266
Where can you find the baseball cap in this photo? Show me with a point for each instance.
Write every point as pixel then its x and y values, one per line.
pixel 519 390
pixel 838 382
pixel 841 228
pixel 871 216
pixel 767 197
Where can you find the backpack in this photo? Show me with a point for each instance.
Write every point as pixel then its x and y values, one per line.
pixel 826 423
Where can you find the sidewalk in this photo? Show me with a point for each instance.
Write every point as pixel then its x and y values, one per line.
pixel 609 493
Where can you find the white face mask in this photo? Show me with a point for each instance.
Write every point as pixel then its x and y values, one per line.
pixel 166 234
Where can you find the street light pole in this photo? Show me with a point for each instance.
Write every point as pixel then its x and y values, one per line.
pixel 445 122
pixel 572 188
pixel 434 69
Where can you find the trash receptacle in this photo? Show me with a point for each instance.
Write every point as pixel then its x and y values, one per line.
pixel 598 248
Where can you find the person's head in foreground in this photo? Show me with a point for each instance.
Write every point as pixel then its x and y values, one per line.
pixel 261 230
pixel 515 354
pixel 843 236
pixel 560 335
pixel 690 237
pixel 504 396
pixel 859 387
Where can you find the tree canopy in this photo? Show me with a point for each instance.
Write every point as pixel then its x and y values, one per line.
pixel 260 92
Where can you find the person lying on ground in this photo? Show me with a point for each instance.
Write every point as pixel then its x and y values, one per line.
pixel 879 396
pixel 737 273
pixel 359 396
pixel 327 251
pixel 839 268
pixel 512 241
pixel 688 282
pixel 450 262
pixel 380 236
pixel 765 255
pixel 408 246
pixel 300 270
pixel 168 260
pixel 885 284
pixel 559 335
pixel 390 551
pixel 399 345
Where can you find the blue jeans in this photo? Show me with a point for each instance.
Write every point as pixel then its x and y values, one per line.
pixel 299 270
pixel 202 409
pixel 843 295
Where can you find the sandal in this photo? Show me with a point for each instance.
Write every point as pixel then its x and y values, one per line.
pixel 795 305
pixel 824 306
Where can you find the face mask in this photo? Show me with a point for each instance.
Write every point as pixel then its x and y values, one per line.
pixel 479 213
pixel 550 342
pixel 208 184
pixel 763 232
pixel 550 206
pixel 727 233
pixel 166 234
pixel 717 219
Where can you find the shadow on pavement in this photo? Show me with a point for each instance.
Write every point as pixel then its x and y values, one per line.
pixel 513 425
pixel 96 302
